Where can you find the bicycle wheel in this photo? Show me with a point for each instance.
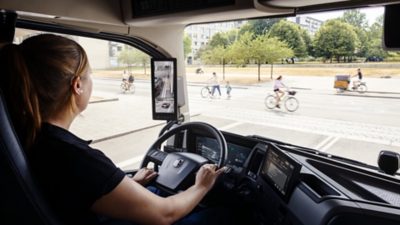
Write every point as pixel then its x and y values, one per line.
pixel 270 101
pixel 205 92
pixel 132 89
pixel 123 88
pixel 361 88
pixel 291 104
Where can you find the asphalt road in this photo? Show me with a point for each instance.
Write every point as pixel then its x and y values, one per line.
pixel 352 125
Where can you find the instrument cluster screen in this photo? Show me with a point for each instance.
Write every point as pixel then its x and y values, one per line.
pixel 208 148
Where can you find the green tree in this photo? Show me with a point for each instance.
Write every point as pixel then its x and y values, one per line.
pixel 259 27
pixel 335 39
pixel 356 18
pixel 307 41
pixel 217 55
pixel 218 39
pixel 239 51
pixel 291 34
pixel 130 56
pixel 375 39
pixel 262 49
pixel 187 45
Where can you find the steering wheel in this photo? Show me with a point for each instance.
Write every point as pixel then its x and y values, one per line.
pixel 176 170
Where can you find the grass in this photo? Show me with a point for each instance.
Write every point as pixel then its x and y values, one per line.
pixel 249 74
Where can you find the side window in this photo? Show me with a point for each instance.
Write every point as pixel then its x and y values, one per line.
pixel 119 113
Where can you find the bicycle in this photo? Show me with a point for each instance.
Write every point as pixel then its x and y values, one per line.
pixel 205 92
pixel 291 103
pixel 342 83
pixel 360 86
pixel 127 87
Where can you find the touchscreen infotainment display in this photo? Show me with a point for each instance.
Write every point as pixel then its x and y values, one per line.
pixel 280 170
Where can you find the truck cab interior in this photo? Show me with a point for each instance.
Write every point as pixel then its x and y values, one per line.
pixel 269 181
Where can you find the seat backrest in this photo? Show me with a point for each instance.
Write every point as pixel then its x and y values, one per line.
pixel 20 199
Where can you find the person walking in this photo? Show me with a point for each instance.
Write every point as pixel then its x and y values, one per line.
pixel 228 90
pixel 215 84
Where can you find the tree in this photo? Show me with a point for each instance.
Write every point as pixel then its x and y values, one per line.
pixel 261 49
pixel 217 55
pixel 126 56
pixel 291 34
pixel 218 39
pixel 187 45
pixel 307 41
pixel 335 39
pixel 239 51
pixel 259 27
pixel 130 56
pixel 356 18
pixel 375 39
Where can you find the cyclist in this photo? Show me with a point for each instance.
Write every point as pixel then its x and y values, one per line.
pixel 278 85
pixel 360 76
pixel 131 79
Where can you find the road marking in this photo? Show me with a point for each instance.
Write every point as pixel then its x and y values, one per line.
pixel 322 143
pixel 130 161
pixel 329 144
pixel 231 125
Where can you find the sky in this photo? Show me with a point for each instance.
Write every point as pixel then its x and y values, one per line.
pixel 371 14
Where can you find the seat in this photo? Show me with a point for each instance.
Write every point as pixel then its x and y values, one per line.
pixel 20 199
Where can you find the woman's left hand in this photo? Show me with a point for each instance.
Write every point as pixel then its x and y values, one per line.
pixel 144 176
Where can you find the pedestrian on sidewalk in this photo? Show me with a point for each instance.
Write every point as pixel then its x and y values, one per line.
pixel 228 90
pixel 215 84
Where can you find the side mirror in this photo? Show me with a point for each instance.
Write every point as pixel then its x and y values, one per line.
pixel 389 162
pixel 391 35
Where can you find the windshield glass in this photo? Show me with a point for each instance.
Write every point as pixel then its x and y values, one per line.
pixel 320 81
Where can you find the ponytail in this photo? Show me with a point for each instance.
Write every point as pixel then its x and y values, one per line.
pixel 37 80
pixel 20 94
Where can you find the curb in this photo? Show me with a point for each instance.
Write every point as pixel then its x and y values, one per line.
pixel 103 100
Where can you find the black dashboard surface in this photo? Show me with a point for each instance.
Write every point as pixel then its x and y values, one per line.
pixel 332 191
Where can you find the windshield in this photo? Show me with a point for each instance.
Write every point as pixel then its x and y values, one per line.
pixel 320 81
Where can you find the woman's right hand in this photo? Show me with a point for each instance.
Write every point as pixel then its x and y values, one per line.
pixel 207 175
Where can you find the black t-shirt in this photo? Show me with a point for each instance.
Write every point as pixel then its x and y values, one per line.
pixel 71 174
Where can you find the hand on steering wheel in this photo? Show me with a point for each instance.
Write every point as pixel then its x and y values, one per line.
pixel 207 174
pixel 177 170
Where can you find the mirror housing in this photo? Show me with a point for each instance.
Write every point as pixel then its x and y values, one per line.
pixel 391 34
pixel 389 162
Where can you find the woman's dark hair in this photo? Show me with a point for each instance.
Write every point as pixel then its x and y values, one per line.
pixel 36 80
pixel 278 78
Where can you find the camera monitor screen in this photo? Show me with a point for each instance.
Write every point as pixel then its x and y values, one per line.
pixel 164 89
pixel 280 171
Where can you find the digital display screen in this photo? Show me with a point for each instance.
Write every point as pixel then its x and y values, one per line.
pixel 208 148
pixel 280 170
pixel 164 90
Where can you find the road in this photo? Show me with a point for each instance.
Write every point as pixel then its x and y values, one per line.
pixel 352 125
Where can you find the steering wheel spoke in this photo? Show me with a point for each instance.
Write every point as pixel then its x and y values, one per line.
pixel 176 170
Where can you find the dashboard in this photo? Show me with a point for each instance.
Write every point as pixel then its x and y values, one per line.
pixel 278 183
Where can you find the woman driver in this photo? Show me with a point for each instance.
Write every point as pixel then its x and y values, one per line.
pixel 49 85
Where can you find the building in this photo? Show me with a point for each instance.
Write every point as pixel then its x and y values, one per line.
pixel 201 34
pixel 308 23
